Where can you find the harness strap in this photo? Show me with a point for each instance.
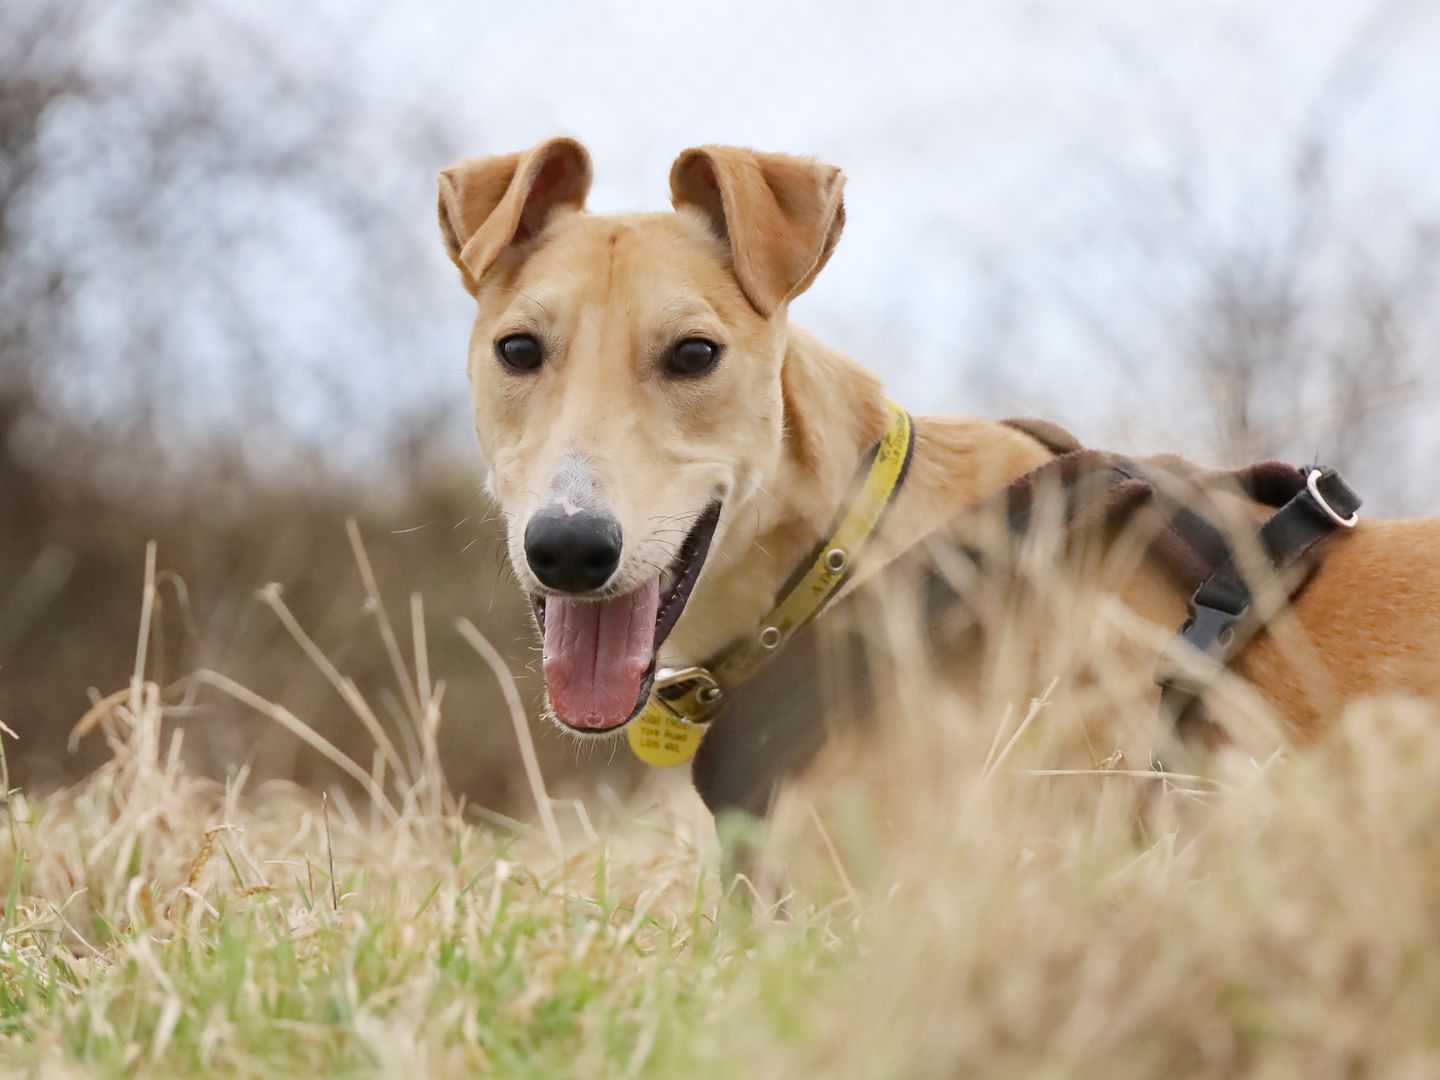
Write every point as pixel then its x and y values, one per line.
pixel 1098 487
pixel 1222 610
pixel 775 723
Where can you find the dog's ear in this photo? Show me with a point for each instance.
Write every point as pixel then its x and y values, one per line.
pixel 487 204
pixel 781 215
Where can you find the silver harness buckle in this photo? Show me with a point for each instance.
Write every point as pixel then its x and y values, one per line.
pixel 1312 484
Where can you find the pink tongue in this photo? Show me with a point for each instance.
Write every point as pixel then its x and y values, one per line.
pixel 596 655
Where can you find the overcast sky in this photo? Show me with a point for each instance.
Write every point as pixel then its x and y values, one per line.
pixel 1038 192
pixel 1041 165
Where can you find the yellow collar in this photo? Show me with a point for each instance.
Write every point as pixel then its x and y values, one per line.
pixel 683 700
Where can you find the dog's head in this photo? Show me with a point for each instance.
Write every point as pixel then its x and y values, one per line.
pixel 626 381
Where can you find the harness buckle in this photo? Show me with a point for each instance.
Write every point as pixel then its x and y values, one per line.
pixel 1209 631
pixel 692 694
pixel 1312 484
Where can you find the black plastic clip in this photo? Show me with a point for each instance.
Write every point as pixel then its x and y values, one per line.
pixel 1209 631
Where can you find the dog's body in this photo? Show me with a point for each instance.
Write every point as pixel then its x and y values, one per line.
pixel 634 374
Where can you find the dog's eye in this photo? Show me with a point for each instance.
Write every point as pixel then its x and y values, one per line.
pixel 520 352
pixel 693 356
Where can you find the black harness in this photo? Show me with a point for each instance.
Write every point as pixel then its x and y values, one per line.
pixel 775 725
pixel 1309 505
pixel 1223 615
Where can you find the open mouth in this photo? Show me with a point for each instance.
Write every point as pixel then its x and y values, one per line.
pixel 600 653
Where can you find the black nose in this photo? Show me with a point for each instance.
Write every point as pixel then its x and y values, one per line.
pixel 572 553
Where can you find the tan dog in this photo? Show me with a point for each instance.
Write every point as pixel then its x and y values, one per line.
pixel 668 449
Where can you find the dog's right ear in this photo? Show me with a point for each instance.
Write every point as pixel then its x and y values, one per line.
pixel 487 204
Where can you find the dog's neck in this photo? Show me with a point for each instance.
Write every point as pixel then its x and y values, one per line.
pixel 834 412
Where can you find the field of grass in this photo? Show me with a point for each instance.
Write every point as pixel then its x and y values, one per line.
pixel 1273 918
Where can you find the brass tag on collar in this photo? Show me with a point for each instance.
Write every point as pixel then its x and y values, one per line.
pixel 659 738
pixel 669 730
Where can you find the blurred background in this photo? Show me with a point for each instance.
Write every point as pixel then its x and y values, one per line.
pixel 227 323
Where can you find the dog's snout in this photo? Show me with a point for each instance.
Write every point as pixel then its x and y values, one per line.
pixel 572 553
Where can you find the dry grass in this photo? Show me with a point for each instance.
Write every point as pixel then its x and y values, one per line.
pixel 1270 918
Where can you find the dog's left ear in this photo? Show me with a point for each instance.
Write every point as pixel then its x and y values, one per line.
pixel 781 215
pixel 487 204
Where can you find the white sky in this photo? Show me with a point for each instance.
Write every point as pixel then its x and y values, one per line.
pixel 1035 188
pixel 1080 154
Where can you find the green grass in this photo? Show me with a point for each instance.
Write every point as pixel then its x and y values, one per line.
pixel 1001 913
pixel 1287 923
pixel 131 943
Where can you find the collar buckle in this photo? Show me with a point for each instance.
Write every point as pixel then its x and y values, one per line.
pixel 693 694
